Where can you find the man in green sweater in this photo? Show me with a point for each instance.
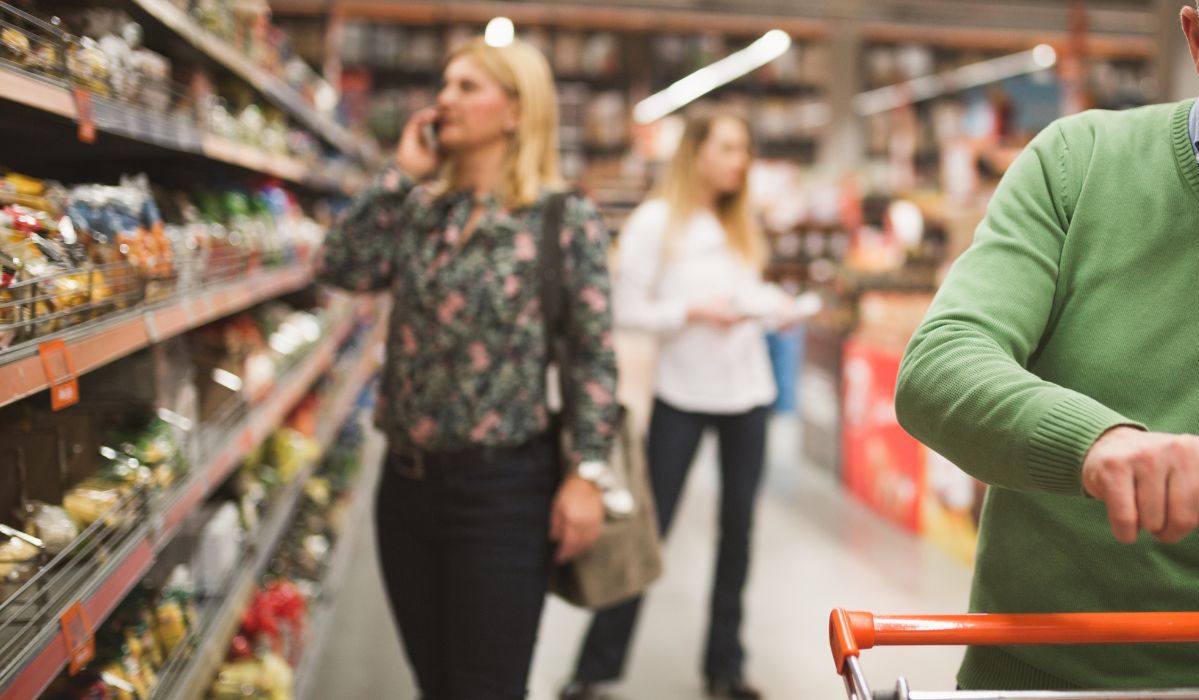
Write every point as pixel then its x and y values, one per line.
pixel 1059 363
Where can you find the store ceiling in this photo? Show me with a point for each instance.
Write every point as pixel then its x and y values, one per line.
pixel 1136 17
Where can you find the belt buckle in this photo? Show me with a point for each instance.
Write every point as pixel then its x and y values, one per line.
pixel 411 464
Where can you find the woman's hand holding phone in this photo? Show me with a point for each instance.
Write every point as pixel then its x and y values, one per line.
pixel 415 154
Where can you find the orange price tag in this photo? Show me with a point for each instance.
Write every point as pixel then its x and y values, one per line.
pixel 60 374
pixel 77 632
pixel 83 112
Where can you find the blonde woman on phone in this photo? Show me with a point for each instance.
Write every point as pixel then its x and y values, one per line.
pixel 691 263
pixel 475 502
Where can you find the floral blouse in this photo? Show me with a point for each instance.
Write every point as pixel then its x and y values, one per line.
pixel 466 354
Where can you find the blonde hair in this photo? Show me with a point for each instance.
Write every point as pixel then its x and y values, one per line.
pixel 680 188
pixel 532 160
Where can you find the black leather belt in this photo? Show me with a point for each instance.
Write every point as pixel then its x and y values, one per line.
pixel 419 464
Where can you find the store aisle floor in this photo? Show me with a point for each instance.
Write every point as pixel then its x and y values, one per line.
pixel 814 549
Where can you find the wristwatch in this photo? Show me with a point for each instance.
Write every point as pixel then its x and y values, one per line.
pixel 618 501
pixel 597 473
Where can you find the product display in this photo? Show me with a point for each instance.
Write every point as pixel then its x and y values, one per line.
pixel 104 55
pixel 135 643
pixel 70 255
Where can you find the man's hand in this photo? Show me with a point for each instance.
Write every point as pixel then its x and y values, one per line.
pixel 577 517
pixel 1147 480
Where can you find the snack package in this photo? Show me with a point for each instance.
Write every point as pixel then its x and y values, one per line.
pixel 35 253
pixel 18 563
pixel 92 500
pixel 51 525
pixel 89 66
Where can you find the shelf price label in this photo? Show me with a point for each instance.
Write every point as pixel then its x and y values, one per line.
pixel 78 635
pixel 60 374
pixel 85 116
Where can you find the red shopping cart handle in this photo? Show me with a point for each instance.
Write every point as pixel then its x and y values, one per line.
pixel 852 631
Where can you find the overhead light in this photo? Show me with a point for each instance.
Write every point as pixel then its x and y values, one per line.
pixel 227 379
pixel 1044 55
pixel 500 32
pixel 964 78
pixel 765 49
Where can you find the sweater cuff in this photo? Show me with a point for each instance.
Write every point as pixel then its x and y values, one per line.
pixel 1060 443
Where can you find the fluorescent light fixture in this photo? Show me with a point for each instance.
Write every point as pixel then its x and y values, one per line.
pixel 170 417
pixel 765 49
pixel 982 73
pixel 500 32
pixel 229 380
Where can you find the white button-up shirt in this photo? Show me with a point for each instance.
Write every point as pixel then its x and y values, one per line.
pixel 701 368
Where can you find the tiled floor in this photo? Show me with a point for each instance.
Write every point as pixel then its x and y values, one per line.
pixel 814 549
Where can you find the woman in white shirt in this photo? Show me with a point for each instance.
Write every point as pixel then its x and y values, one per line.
pixel 691 272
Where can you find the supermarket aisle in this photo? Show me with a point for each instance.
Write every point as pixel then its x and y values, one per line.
pixel 814 549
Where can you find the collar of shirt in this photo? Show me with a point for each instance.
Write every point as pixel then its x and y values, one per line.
pixel 1193 127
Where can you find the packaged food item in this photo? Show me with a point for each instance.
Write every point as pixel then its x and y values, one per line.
pixel 269 677
pixel 150 455
pixel 13 313
pixel 217 551
pixel 89 66
pixel 124 224
pixel 19 555
pixel 170 623
pixel 92 500
pixel 51 525
pixel 175 611
pixel 30 242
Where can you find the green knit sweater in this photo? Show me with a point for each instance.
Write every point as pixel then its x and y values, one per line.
pixel 1072 312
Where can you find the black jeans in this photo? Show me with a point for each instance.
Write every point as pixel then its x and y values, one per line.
pixel 466 556
pixel 673 440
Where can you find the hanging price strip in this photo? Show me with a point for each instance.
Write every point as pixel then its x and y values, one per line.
pixel 60 374
pixel 85 116
pixel 77 632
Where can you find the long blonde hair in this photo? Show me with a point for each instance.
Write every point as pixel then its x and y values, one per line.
pixel 680 188
pixel 532 160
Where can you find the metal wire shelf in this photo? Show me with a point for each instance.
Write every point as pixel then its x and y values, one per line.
pixel 42 305
pixel 118 549
pixel 27 614
pixel 157 110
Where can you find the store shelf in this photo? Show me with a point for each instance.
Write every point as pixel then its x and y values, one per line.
pixel 26 674
pixel 97 343
pixel 274 89
pixel 321 611
pixel 210 648
pixel 252 432
pixel 175 132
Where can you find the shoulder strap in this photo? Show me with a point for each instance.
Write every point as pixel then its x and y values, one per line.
pixel 550 262
pixel 553 306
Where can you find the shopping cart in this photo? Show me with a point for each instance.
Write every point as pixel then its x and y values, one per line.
pixel 850 632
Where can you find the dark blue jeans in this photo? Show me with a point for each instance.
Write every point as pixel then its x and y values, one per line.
pixel 466 556
pixel 673 440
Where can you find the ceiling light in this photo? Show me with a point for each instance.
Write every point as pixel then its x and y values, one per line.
pixel 500 32
pixel 227 379
pixel 964 78
pixel 765 49
pixel 1044 55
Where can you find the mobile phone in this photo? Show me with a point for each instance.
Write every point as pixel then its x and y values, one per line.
pixel 429 136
